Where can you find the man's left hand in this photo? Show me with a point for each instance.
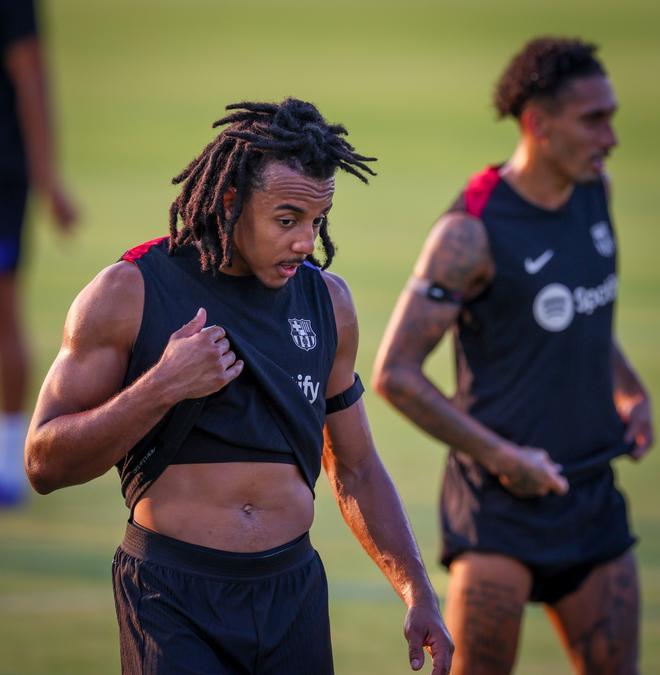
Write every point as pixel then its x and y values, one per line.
pixel 424 629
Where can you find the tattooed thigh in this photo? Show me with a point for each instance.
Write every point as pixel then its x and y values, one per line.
pixel 493 618
pixel 484 616
pixel 601 620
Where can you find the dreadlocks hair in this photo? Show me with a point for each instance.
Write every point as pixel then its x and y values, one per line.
pixel 543 68
pixel 292 132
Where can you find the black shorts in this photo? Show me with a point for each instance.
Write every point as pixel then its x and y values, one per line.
pixel 13 198
pixel 186 609
pixel 559 538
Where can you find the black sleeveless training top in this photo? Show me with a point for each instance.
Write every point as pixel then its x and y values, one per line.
pixel 534 363
pixel 534 351
pixel 275 409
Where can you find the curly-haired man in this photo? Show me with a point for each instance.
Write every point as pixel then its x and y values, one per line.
pixel 522 270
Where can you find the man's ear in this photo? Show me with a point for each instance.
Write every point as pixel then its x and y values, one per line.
pixel 533 121
pixel 228 200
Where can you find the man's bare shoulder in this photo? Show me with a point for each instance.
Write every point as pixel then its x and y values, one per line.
pixel 109 309
pixel 459 226
pixel 457 253
pixel 347 325
pixel 340 293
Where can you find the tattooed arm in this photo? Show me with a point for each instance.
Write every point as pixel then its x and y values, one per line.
pixel 632 403
pixel 456 256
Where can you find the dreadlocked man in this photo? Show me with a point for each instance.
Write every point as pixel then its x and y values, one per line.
pixel 214 368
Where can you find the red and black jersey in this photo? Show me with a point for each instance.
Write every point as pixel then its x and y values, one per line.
pixel 286 337
pixel 534 363
pixel 534 350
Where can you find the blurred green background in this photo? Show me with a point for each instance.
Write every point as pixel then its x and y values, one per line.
pixel 137 85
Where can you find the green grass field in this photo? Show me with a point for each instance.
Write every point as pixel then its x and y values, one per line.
pixel 138 85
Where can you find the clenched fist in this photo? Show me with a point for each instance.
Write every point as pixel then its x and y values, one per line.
pixel 197 361
pixel 531 472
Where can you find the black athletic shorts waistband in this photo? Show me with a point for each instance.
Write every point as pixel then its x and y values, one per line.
pixel 158 548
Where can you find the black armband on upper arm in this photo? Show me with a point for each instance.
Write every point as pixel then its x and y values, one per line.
pixel 439 293
pixel 346 398
pixel 434 291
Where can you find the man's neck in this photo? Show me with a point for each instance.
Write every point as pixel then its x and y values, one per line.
pixel 534 179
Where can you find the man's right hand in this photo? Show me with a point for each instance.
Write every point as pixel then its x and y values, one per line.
pixel 530 472
pixel 197 361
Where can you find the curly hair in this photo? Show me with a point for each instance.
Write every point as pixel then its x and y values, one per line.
pixel 541 70
pixel 292 132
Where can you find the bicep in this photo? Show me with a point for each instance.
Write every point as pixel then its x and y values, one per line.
pixel 417 326
pixel 348 444
pixel 79 381
pixel 98 335
pixel 341 375
pixel 455 256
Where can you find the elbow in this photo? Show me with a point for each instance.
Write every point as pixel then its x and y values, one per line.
pixel 39 479
pixel 387 382
pixel 38 472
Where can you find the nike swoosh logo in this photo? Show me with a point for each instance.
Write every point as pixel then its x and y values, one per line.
pixel 534 266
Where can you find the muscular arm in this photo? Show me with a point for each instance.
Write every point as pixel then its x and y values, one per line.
pixel 456 255
pixel 84 422
pixel 370 503
pixel 632 402
pixel 26 69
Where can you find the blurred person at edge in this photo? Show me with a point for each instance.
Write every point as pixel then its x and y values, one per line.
pixel 215 368
pixel 26 162
pixel 521 269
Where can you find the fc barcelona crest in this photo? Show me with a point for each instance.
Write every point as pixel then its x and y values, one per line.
pixel 603 240
pixel 303 334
